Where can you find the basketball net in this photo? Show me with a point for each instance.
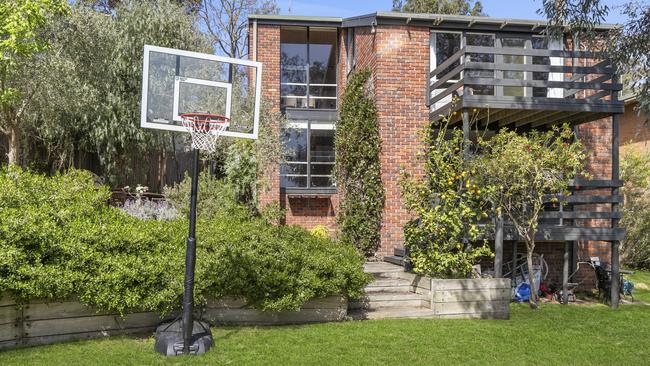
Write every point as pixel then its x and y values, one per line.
pixel 204 129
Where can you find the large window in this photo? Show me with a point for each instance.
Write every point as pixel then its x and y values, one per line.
pixel 309 161
pixel 308 67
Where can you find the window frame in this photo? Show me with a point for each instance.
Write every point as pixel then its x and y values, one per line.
pixel 297 124
pixel 307 83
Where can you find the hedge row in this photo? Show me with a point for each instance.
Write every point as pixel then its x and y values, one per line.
pixel 59 239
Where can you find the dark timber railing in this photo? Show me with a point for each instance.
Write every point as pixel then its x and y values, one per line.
pixel 552 85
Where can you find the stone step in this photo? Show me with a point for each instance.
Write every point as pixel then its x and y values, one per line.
pixel 383 284
pixel 383 270
pixel 393 313
pixel 388 299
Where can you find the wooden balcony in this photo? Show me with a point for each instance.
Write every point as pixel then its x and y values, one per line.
pixel 523 88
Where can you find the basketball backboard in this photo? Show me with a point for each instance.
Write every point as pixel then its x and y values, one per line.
pixel 176 82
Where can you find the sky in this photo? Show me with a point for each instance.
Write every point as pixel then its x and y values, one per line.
pixel 516 9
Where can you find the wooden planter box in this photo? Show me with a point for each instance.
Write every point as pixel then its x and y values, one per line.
pixel 39 322
pixel 484 298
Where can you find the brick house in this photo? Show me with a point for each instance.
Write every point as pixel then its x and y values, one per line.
pixel 505 74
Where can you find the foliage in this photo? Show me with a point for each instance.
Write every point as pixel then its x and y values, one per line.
pixel 635 172
pixel 626 46
pixel 59 238
pixel 90 78
pixel 524 169
pixel 320 231
pixel 21 38
pixel 247 161
pixel 149 210
pixel 214 197
pixel 226 22
pixel 446 237
pixel 459 7
pixel 358 172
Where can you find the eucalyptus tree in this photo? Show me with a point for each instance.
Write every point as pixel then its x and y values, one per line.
pixel 22 38
pixel 459 7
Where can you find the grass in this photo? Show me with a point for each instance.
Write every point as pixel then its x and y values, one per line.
pixel 556 334
pixel 641 280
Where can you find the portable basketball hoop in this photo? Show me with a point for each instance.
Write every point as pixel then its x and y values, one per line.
pixel 205 129
pixel 196 93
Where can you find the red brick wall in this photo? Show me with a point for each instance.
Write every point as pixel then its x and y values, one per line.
pixel 268 53
pixel 402 63
pixel 306 212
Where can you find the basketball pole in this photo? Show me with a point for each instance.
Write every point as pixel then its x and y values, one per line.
pixel 190 261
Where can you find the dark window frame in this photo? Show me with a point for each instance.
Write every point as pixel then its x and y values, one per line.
pixel 308 176
pixel 307 81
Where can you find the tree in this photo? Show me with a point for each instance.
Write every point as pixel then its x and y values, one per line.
pixel 459 7
pixel 628 46
pixel 91 79
pixel 226 23
pixel 524 170
pixel 21 39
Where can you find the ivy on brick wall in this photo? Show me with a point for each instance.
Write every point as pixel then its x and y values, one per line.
pixel 358 172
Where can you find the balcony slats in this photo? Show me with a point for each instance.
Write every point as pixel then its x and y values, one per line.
pixel 580 89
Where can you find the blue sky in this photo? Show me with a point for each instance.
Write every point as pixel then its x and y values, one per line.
pixel 518 9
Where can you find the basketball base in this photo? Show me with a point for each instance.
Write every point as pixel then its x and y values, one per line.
pixel 169 338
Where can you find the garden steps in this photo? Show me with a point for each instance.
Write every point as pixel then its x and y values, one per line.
pixel 382 284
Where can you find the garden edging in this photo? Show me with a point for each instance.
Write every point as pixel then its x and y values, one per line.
pixel 482 298
pixel 40 322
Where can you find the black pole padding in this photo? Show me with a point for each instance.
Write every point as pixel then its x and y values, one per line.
pixel 190 261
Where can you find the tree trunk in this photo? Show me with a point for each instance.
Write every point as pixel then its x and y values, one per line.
pixel 531 277
pixel 14 143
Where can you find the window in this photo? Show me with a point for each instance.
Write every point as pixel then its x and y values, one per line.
pixel 508 42
pixel 445 46
pixel 482 40
pixel 351 57
pixel 308 67
pixel 309 161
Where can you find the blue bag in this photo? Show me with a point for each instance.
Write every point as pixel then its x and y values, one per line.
pixel 522 292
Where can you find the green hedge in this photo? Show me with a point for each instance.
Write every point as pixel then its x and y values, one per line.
pixel 59 239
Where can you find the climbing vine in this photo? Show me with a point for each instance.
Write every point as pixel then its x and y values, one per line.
pixel 358 173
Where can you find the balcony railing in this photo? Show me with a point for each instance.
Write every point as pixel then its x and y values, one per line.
pixel 581 83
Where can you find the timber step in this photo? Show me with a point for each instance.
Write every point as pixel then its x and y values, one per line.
pixel 383 284
pixel 388 299
pixel 392 313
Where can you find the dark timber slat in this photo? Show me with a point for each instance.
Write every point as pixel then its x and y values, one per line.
pixel 582 70
pixel 603 183
pixel 447 77
pixel 447 91
pixel 586 199
pixel 562 116
pixel 532 52
pixel 455 57
pixel 545 83
pixel 577 105
pixel 580 215
pixel 558 233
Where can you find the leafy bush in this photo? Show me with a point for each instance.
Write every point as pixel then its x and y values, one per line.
pixel 446 238
pixel 149 210
pixel 59 238
pixel 358 169
pixel 635 171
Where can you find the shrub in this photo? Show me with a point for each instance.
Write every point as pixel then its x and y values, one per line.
pixel 445 239
pixel 635 172
pixel 59 238
pixel 358 169
pixel 149 210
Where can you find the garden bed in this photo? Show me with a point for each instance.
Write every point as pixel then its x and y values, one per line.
pixel 483 298
pixel 40 322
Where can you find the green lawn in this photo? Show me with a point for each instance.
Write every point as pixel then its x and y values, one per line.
pixel 555 334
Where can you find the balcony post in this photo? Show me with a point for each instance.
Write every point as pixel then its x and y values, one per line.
pixel 465 132
pixel 565 274
pixel 615 288
pixel 498 246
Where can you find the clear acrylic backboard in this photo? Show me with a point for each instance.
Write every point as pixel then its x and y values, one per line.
pixel 175 82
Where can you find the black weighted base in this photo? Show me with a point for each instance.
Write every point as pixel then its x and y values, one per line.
pixel 169 338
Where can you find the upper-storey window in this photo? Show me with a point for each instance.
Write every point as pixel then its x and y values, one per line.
pixel 308 67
